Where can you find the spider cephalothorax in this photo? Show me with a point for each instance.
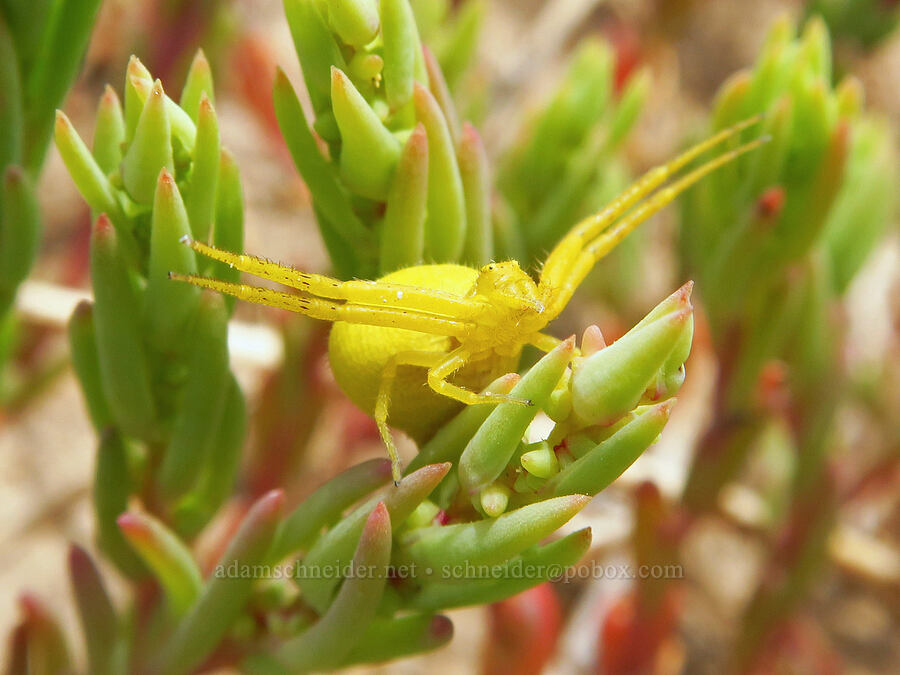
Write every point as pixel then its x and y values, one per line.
pixel 452 320
pixel 504 284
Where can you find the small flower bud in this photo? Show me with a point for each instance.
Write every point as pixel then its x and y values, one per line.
pixel 540 460
pixel 494 499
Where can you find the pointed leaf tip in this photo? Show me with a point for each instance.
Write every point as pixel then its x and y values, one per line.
pixel 445 226
pixel 305 522
pixel 270 504
pixel 470 133
pixel 130 523
pixel 419 137
pixel 420 93
pixel 150 149
pixel 378 524
pixel 137 69
pixel 83 310
pixel 665 408
pixel 198 83
pixel 433 471
pixel 103 227
pixel 441 628
pixel 338 78
pixel 578 502
pixel 592 341
pixel 79 562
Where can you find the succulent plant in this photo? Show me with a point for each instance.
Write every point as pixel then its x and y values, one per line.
pixel 40 50
pixel 362 569
pixel 384 115
pixel 323 587
pixel 151 355
pixel 371 564
pixel 804 214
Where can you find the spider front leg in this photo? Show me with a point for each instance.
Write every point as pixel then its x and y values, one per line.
pixel 437 380
pixel 373 293
pixel 560 260
pixel 383 400
pixel 572 264
pixel 328 310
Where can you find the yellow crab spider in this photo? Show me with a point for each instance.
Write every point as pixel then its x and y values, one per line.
pixel 450 319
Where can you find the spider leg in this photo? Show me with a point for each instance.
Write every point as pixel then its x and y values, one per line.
pixel 326 310
pixel 578 269
pixel 544 342
pixel 383 400
pixel 260 267
pixel 560 259
pixel 375 293
pixel 437 380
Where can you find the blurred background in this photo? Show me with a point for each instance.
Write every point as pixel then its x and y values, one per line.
pixel 742 556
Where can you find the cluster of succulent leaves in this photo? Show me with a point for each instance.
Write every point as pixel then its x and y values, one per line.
pixel 424 193
pixel 41 45
pixel 371 563
pixel 465 526
pixel 152 355
pixel 392 190
pixel 322 587
pixel 774 240
pixel 774 234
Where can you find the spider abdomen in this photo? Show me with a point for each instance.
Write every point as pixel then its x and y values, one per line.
pixel 358 354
